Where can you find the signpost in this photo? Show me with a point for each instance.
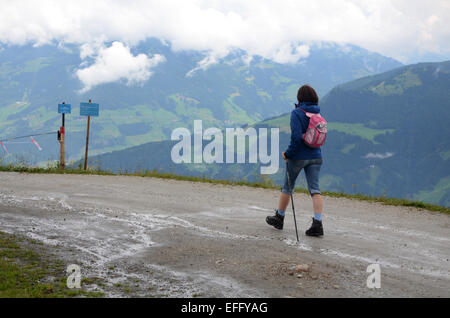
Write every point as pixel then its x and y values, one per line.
pixel 62 109
pixel 88 109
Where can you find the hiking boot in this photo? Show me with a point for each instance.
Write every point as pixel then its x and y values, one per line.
pixel 276 221
pixel 316 228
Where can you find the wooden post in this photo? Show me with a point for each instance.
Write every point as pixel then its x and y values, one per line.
pixel 87 142
pixel 62 159
pixel 62 155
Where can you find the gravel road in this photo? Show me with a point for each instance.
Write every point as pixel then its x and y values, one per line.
pixel 163 238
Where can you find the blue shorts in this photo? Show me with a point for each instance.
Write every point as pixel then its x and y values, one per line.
pixel 312 169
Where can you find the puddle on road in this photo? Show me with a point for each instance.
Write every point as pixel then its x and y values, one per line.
pixel 104 238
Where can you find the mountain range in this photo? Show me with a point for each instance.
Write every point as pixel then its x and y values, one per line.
pixel 388 136
pixel 388 123
pixel 235 91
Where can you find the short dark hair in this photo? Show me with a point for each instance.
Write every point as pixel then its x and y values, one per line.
pixel 307 94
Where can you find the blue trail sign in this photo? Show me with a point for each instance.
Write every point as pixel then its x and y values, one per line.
pixel 64 109
pixel 89 109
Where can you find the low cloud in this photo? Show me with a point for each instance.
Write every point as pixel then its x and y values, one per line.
pixel 210 59
pixel 403 29
pixel 289 53
pixel 377 155
pixel 115 63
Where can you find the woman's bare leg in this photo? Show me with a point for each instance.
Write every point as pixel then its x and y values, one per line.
pixel 317 203
pixel 284 201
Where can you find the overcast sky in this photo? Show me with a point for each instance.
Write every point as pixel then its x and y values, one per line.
pixel 281 30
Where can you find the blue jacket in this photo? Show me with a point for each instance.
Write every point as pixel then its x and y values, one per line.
pixel 297 149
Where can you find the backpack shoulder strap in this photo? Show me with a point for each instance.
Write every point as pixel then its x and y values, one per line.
pixel 309 115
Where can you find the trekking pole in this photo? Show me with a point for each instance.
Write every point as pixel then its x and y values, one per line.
pixel 292 200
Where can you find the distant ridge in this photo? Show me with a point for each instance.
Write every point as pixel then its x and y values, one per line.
pixel 371 117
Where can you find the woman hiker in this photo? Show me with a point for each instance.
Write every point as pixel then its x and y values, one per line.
pixel 300 156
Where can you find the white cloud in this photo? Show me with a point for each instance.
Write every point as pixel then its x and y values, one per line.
pixel 271 28
pixel 115 63
pixel 210 59
pixel 377 155
pixel 286 53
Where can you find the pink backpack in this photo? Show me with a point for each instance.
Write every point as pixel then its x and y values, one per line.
pixel 316 133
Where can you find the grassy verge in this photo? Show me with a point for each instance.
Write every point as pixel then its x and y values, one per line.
pixel 264 182
pixel 27 270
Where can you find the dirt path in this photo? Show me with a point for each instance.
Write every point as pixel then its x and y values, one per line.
pixel 154 237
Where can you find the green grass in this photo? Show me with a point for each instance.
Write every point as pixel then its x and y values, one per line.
pixel 348 148
pixel 358 130
pixel 398 84
pixel 280 80
pixel 237 115
pixel 437 194
pixel 264 182
pixel 266 97
pixel 12 109
pixel 280 122
pixel 187 107
pixel 390 201
pixel 27 270
pixel 445 155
